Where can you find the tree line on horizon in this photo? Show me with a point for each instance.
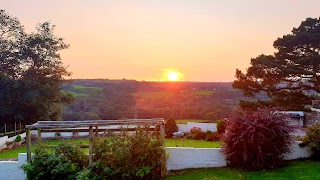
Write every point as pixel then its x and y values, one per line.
pixel 134 99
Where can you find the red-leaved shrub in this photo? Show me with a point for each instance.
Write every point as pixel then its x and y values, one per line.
pixel 199 135
pixel 256 140
pixel 212 136
pixel 194 130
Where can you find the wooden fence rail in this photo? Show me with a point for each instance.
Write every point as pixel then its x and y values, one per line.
pixel 5 130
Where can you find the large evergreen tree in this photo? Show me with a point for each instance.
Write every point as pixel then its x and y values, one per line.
pixel 31 72
pixel 291 77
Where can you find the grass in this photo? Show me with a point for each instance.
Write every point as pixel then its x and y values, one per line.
pixel 78 94
pixel 89 89
pixel 302 169
pixel 10 154
pixel 82 91
pixel 13 153
pixel 192 143
pixel 185 121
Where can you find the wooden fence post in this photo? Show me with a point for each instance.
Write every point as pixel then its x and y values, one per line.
pixel 15 128
pixel 39 135
pixel 28 141
pixel 90 144
pixel 97 131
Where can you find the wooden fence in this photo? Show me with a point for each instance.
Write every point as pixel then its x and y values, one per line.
pixel 11 129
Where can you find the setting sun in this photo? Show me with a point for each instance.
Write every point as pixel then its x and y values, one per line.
pixel 173 76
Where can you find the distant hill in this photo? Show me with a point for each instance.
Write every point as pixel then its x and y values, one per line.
pixel 118 99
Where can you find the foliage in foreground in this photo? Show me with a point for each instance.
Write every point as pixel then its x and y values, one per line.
pixel 127 157
pixel 257 139
pixel 312 139
pixel 63 163
pixel 137 156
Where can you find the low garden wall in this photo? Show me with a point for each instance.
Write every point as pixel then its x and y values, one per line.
pixel 204 126
pixel 183 158
pixel 9 170
pixel 179 158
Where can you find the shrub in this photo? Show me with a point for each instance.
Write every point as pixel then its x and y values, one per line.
pixel 75 134
pixel 9 143
pixel 64 163
pixel 194 130
pixel 208 132
pixel 221 126
pixel 199 135
pixel 257 139
pixel 170 127
pixel 18 139
pixel 190 136
pixel 312 139
pixel 126 157
pixel 57 134
pixel 212 136
pixel 137 156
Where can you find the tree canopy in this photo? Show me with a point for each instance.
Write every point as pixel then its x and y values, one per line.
pixel 290 77
pixel 31 72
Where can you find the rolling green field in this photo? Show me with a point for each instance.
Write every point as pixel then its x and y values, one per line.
pixel 5 154
pixel 78 94
pixel 88 89
pixel 82 91
pixel 153 95
pixel 200 93
pixel 294 170
pixel 163 94
pixel 185 121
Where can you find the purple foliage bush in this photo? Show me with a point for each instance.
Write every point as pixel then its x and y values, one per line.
pixel 255 140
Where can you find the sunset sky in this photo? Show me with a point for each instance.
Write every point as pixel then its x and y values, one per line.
pixel 202 40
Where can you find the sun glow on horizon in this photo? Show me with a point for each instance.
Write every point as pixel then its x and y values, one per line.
pixel 173 76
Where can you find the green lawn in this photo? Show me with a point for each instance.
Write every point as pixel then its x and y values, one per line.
pixel 13 153
pixel 5 154
pixel 185 121
pixel 294 170
pixel 192 143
